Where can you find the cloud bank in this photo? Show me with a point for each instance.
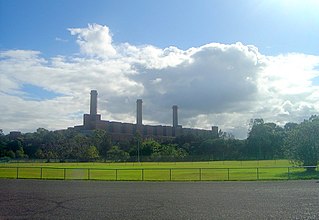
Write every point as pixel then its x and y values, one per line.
pixel 215 84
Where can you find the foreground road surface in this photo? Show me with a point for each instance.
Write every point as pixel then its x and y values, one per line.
pixel 40 199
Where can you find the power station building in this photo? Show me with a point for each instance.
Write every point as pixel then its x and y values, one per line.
pixel 119 131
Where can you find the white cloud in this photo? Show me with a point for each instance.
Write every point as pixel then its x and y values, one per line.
pixel 218 78
pixel 290 74
pixel 61 40
pixel 96 40
pixel 215 84
pixel 287 92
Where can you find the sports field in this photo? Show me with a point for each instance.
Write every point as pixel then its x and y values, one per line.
pixel 162 171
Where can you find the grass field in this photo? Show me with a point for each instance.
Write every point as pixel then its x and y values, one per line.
pixel 162 171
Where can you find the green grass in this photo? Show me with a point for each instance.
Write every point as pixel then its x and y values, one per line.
pixel 163 171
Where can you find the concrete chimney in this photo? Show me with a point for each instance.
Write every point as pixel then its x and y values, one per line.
pixel 139 112
pixel 215 131
pixel 93 103
pixel 175 116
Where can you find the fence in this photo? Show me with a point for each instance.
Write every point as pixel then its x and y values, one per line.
pixel 160 174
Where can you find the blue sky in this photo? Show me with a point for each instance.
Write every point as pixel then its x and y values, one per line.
pixel 273 26
pixel 237 59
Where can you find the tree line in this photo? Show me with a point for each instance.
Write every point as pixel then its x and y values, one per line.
pixel 298 142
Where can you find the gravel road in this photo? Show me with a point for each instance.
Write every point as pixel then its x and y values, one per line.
pixel 56 199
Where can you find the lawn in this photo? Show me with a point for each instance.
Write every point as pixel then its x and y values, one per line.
pixel 159 171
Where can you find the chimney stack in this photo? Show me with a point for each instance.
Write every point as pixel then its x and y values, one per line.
pixel 139 112
pixel 175 116
pixel 93 103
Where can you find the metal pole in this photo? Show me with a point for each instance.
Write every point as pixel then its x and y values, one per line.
pixel 200 174
pixel 170 174
pixel 41 173
pixel 257 173
pixel 228 173
pixel 17 172
pixel 89 174
pixel 64 173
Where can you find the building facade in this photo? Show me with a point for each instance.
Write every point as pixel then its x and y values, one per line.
pixel 120 131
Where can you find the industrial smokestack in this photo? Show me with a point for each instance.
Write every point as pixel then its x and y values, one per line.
pixel 139 112
pixel 93 103
pixel 175 116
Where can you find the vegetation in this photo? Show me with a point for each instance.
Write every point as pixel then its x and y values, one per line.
pixel 302 143
pixel 297 142
pixel 208 170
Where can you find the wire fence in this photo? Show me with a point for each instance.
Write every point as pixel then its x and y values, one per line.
pixel 161 174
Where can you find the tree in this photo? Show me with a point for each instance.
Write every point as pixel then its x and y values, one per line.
pixel 3 144
pixel 168 152
pixel 148 147
pixel 116 154
pixel 189 142
pixel 265 140
pixel 102 141
pixel 10 154
pixel 79 146
pixel 91 153
pixel 39 154
pixel 225 135
pixel 20 153
pixel 49 155
pixel 290 126
pixel 302 143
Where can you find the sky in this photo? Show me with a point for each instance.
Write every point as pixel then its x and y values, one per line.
pixel 223 62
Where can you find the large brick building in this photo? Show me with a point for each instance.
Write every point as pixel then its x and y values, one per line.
pixel 125 131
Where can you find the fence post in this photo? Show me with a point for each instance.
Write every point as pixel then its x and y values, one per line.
pixel 41 173
pixel 288 173
pixel 257 173
pixel 64 173
pixel 116 174
pixel 142 174
pixel 228 173
pixel 17 172
pixel 200 174
pixel 89 173
pixel 170 174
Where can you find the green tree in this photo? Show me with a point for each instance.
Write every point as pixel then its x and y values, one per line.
pixel 265 140
pixel 20 153
pixel 39 154
pixel 79 144
pixel 3 144
pixel 168 152
pixel 102 141
pixel 190 143
pixel 10 154
pixel 302 143
pixel 15 145
pixel 50 155
pixel 148 146
pixel 91 153
pixel 116 154
pixel 290 126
